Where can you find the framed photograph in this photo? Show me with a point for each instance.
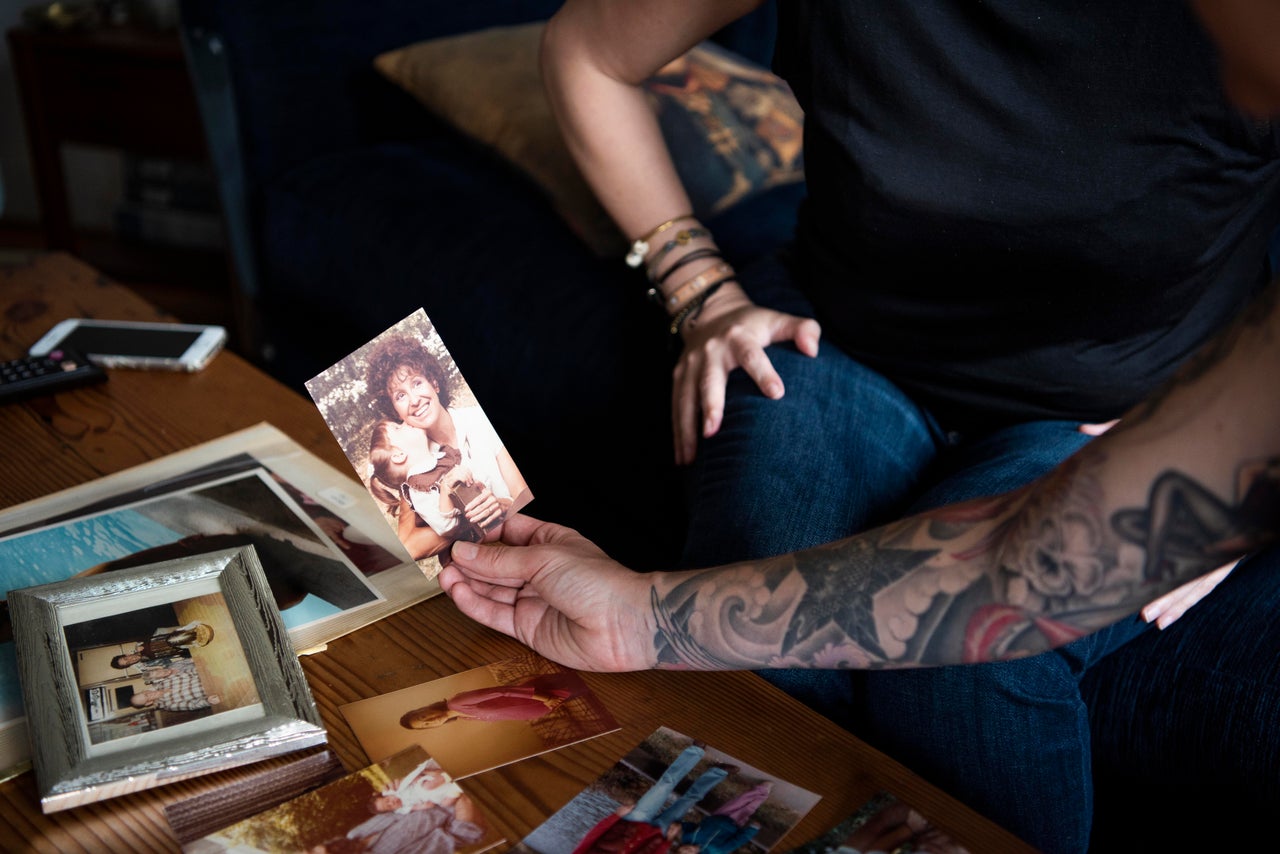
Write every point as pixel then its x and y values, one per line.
pixel 329 557
pixel 145 676
pixel 419 441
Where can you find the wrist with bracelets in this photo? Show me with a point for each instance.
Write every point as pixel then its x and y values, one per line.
pixel 694 306
pixel 690 244
pixel 683 238
pixel 688 290
pixel 640 246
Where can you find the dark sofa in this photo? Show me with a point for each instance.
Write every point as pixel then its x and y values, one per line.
pixel 349 206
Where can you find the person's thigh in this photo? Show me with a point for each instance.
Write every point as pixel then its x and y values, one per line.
pixel 999 461
pixel 1189 716
pixel 1011 739
pixel 842 449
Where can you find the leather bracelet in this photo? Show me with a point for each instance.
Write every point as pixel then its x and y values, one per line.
pixel 690 289
pixel 685 259
pixel 694 307
pixel 682 238
pixel 640 246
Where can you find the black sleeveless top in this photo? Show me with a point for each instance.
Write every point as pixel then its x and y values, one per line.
pixel 1023 209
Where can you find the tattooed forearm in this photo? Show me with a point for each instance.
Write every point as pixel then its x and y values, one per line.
pixel 1185 530
pixel 981 581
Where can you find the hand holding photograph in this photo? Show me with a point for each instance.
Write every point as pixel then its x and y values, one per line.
pixel 416 437
pixel 141 677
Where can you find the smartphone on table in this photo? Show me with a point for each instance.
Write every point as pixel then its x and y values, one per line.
pixel 135 344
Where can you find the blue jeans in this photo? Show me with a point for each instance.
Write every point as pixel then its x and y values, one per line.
pixel 845 449
pixel 651 807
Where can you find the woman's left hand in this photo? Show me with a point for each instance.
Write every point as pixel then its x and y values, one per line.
pixel 485 509
pixel 729 332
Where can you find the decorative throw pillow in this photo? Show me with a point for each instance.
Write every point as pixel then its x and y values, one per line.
pixel 733 127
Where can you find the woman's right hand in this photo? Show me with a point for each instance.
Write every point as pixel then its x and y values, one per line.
pixel 556 592
pixel 729 332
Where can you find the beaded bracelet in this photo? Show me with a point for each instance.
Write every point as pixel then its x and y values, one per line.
pixel 694 307
pixel 688 290
pixel 640 246
pixel 685 259
pixel 682 238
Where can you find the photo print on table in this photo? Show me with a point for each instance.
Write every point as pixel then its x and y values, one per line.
pixel 883 823
pixel 674 789
pixel 403 803
pixel 484 717
pixel 419 441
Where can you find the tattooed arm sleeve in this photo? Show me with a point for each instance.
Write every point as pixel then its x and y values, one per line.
pixel 1188 481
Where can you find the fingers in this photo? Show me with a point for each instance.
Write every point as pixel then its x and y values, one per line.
pixel 702 373
pixel 1097 429
pixel 495 563
pixel 806 337
pixel 484 509
pixel 522 530
pixel 503 594
pixel 1168 608
pixel 756 363
pixel 483 609
pixel 488 512
pixel 685 405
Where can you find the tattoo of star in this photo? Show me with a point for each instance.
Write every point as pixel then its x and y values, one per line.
pixel 840 586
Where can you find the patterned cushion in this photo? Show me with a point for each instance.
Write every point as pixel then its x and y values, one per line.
pixel 734 128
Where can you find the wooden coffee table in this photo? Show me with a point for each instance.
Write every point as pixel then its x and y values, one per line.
pixel 55 442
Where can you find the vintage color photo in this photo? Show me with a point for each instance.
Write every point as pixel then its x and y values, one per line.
pixel 238 697
pixel 404 803
pixel 157 668
pixel 674 791
pixel 884 823
pixel 419 441
pixel 485 717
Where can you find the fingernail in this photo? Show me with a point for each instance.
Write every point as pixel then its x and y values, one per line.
pixel 464 550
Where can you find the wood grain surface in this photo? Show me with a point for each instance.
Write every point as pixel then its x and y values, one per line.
pixel 56 442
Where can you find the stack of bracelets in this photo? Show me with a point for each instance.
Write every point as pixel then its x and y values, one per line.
pixel 689 249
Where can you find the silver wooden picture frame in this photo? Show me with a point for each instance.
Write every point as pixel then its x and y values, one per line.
pixel 141 677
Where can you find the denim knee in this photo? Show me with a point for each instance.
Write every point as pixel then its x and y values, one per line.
pixel 843 449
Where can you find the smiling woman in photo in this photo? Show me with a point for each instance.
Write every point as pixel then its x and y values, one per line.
pixel 416 394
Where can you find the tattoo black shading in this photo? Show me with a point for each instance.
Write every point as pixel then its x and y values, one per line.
pixel 1186 530
pixel 840 584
